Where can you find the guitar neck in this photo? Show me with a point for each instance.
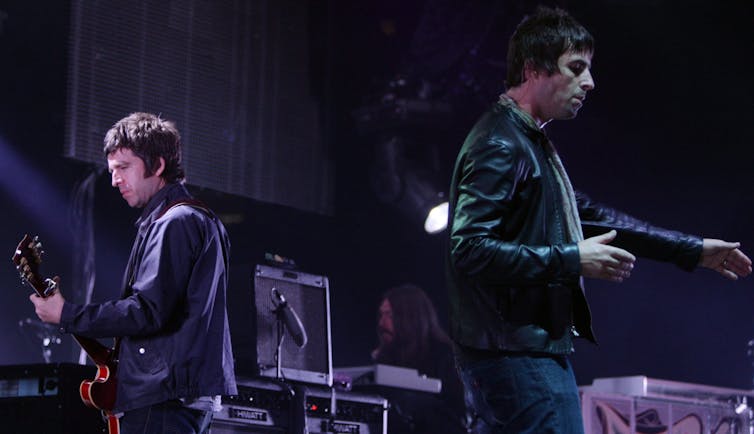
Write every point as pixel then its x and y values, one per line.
pixel 27 258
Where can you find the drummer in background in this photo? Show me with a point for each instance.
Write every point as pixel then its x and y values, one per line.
pixel 409 335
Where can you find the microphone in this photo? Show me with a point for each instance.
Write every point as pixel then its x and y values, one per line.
pixel 290 319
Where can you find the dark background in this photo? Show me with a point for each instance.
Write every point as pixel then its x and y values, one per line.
pixel 666 135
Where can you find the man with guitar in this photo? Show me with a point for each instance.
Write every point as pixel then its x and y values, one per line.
pixel 173 351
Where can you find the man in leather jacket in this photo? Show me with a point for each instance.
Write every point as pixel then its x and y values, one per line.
pixel 517 250
pixel 174 352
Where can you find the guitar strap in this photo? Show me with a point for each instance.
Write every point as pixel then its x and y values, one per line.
pixel 205 209
pixel 201 207
pixel 191 202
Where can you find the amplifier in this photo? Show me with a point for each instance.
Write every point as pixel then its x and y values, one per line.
pixel 262 406
pixel 331 411
pixel 308 295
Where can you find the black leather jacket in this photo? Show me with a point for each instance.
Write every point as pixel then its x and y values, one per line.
pixel 514 277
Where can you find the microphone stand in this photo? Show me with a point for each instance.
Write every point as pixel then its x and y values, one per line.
pixel 279 349
pixel 285 319
pixel 280 325
pixel 282 322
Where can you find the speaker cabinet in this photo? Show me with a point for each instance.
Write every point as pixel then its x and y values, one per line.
pixel 308 295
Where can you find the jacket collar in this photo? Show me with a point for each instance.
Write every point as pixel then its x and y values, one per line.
pixel 525 120
pixel 167 194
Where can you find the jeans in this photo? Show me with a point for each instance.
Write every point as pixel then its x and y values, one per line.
pixel 522 393
pixel 170 417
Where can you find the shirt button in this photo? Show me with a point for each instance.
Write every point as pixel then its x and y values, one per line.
pixel 142 350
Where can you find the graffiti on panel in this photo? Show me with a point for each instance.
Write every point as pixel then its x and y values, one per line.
pixel 613 421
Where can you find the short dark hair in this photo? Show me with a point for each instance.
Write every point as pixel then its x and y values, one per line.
pixel 540 39
pixel 149 137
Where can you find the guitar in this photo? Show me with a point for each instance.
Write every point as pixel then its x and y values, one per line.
pixel 100 392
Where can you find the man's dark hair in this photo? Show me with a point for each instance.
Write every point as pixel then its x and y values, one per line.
pixel 540 39
pixel 149 137
pixel 416 329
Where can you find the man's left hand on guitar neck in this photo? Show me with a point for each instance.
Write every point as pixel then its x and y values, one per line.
pixel 49 309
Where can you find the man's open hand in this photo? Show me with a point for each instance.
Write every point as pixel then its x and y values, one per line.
pixel 599 260
pixel 725 257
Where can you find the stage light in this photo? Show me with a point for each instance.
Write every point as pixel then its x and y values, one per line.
pixel 34 192
pixel 437 219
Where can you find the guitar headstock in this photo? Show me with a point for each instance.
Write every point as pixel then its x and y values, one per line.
pixel 27 258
